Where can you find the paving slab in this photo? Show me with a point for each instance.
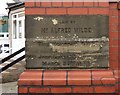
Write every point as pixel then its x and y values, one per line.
pixel 8 88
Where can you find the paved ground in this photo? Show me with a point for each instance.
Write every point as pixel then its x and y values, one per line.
pixel 8 78
pixel 12 74
pixel 10 87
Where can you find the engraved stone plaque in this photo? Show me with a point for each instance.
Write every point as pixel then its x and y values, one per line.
pixel 67 42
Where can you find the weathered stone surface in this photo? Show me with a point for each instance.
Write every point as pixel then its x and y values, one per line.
pixel 67 42
pixel 86 26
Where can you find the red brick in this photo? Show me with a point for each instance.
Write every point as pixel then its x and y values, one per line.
pixel 113 56
pixel 104 4
pixel 113 64
pixel 30 77
pixel 119 5
pixel 114 12
pixel 119 12
pixel 37 4
pixel 103 11
pixel 39 90
pixel 114 50
pixel 77 11
pixel 56 11
pixel 96 3
pixel 67 4
pixel 56 4
pixel 82 89
pixel 108 81
pixel 88 4
pixel 113 5
pixel 105 89
pixel 55 77
pixel 79 77
pixel 119 42
pixel 119 24
pixel 22 90
pixel 117 87
pixel 33 11
pixel 61 90
pixel 113 20
pixel 114 28
pixel 77 4
pixel 119 28
pixel 117 75
pixel 97 75
pixel 29 4
pixel 113 34
pixel 46 4
pixel 113 42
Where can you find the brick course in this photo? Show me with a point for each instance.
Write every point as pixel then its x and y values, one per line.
pixel 56 4
pixel 66 81
pixel 61 90
pixel 37 11
pixel 56 11
pixel 23 90
pixel 77 4
pixel 50 77
pixel 39 90
pixel 77 78
pixel 46 4
pixel 77 11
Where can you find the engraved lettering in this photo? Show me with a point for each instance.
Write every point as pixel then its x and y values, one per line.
pixel 44 30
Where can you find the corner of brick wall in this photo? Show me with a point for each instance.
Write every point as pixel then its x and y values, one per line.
pixel 114 35
pixel 81 81
pixel 119 47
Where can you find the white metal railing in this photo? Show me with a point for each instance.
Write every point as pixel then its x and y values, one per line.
pixel 4 45
pixel 4 35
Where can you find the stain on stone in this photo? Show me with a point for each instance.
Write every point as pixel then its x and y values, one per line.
pixel 38 18
pixel 55 22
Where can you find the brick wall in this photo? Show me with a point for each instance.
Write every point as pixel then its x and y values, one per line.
pixel 119 46
pixel 76 81
pixel 67 8
pixel 113 35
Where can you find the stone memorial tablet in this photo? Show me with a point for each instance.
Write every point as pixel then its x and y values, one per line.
pixel 67 42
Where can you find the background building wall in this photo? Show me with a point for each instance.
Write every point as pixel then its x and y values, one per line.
pixel 19 10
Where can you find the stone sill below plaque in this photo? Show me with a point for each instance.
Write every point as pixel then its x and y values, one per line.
pixel 68 81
